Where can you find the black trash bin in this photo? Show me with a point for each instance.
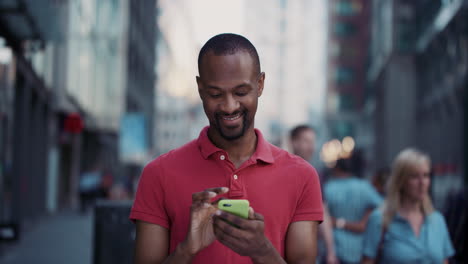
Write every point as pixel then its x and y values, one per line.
pixel 114 233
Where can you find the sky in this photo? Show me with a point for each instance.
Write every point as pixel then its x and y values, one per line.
pixel 210 17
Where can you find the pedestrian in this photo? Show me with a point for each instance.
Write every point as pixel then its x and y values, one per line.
pixel 90 187
pixel 379 180
pixel 407 229
pixel 350 201
pixel 176 221
pixel 303 138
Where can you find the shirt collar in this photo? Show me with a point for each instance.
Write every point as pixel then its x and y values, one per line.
pixel 399 217
pixel 262 152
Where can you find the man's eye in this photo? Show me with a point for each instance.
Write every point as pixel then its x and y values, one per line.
pixel 241 94
pixel 215 95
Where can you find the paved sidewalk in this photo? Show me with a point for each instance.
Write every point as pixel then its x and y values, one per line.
pixel 62 238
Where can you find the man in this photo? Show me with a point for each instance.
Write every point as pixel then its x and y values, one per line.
pixel 302 139
pixel 174 212
pixel 350 201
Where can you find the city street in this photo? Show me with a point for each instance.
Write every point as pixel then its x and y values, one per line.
pixel 114 113
pixel 62 238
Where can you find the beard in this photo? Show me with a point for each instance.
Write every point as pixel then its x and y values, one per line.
pixel 230 136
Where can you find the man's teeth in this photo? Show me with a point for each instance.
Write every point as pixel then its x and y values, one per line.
pixel 232 117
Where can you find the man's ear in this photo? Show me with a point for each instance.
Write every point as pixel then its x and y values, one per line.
pixel 261 82
pixel 199 84
pixel 293 144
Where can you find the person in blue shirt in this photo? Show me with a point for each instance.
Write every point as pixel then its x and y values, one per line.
pixel 350 201
pixel 407 229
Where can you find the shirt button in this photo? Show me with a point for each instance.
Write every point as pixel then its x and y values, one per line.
pixel 235 177
pixel 222 157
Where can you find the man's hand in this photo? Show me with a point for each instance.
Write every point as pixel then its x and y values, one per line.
pixel 200 234
pixel 244 236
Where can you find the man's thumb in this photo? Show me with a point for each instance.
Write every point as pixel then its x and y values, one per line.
pixel 251 213
pixel 255 216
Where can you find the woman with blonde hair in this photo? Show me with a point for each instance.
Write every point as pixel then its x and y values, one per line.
pixel 407 229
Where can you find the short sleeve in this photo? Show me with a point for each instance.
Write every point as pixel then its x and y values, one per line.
pixel 310 206
pixel 372 234
pixel 448 250
pixel 373 197
pixel 149 205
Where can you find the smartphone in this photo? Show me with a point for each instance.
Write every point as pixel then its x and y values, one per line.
pixel 235 207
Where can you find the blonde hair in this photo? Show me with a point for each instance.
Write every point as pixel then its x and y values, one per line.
pixel 401 171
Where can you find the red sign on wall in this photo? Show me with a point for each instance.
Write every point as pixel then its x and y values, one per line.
pixel 73 123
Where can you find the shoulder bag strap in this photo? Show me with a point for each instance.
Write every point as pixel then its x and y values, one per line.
pixel 378 257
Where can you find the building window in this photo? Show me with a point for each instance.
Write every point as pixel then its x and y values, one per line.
pixel 406 36
pixel 335 49
pixel 347 7
pixel 349 52
pixel 346 102
pixel 342 129
pixel 344 29
pixel 343 51
pixel 343 75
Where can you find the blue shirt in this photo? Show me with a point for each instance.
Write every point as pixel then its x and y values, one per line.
pixel 349 198
pixel 401 245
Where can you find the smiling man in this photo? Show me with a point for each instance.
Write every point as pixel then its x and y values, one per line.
pixel 174 211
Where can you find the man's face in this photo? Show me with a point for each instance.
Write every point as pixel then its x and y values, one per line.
pixel 229 86
pixel 304 144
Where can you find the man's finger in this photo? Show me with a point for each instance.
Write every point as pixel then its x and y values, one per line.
pixel 218 190
pixel 259 217
pixel 198 205
pixel 202 196
pixel 206 195
pixel 224 233
pixel 227 227
pixel 216 201
pixel 235 220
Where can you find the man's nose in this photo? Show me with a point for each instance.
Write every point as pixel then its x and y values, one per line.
pixel 421 179
pixel 230 105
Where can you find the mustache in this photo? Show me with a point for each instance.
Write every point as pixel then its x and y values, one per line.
pixel 221 113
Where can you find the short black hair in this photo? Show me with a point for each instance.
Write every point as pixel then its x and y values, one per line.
pixel 381 175
pixel 228 44
pixel 344 164
pixel 297 130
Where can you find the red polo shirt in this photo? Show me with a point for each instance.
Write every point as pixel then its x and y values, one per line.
pixel 282 187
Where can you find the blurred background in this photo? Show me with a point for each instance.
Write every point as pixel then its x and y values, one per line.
pixel 92 90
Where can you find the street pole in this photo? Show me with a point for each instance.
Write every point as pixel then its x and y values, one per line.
pixel 465 111
pixel 75 170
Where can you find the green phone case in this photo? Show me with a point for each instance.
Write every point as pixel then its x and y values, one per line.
pixel 236 207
